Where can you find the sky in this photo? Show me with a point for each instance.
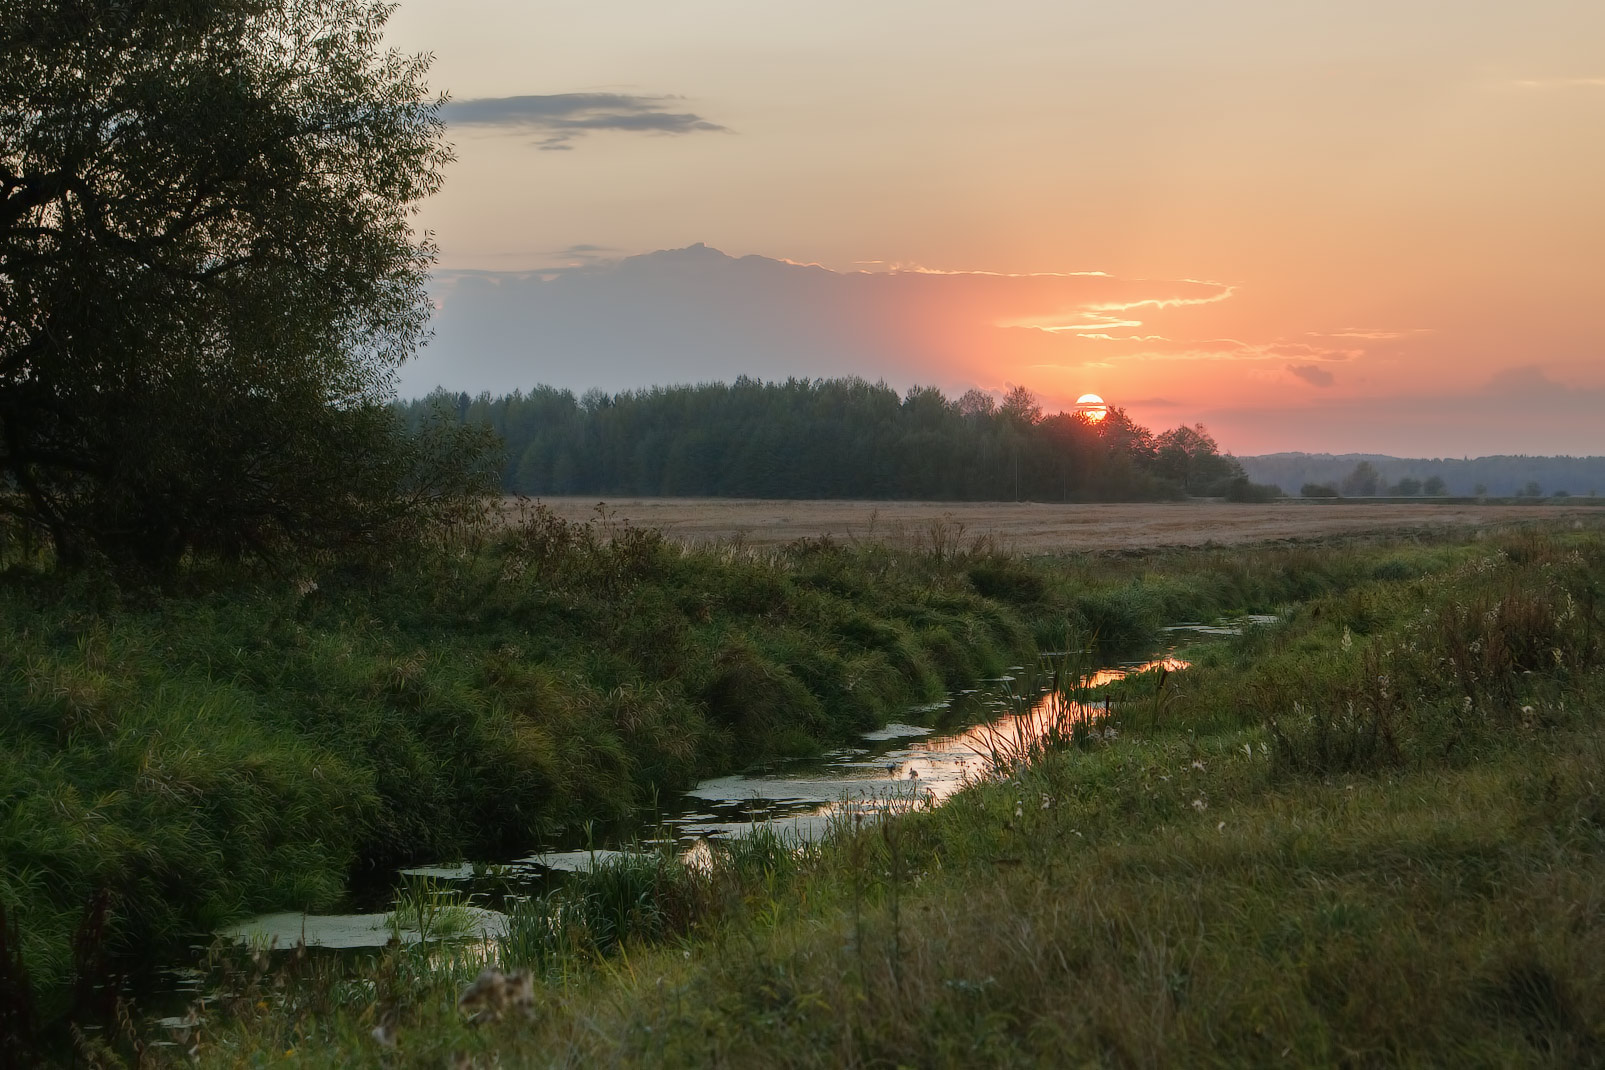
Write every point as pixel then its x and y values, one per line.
pixel 1332 227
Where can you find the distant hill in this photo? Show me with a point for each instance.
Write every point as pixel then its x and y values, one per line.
pixel 1498 476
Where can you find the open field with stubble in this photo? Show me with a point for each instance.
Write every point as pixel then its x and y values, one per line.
pixel 1036 528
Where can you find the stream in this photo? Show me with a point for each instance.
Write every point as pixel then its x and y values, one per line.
pixel 910 761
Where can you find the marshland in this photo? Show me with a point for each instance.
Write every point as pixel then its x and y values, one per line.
pixel 1365 828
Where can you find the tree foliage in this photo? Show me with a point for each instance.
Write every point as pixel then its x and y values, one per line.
pixel 208 274
pixel 1440 476
pixel 1363 482
pixel 834 438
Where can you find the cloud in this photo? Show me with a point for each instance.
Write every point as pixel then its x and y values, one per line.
pixel 1518 410
pixel 1370 334
pixel 559 118
pixel 694 314
pixel 1560 83
pixel 1313 374
pixel 1524 381
pixel 577 255
pixel 1075 347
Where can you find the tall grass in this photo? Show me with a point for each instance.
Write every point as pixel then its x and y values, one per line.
pixel 251 743
pixel 1326 841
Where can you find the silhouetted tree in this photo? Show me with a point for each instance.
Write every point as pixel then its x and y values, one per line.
pixel 208 275
pixel 827 438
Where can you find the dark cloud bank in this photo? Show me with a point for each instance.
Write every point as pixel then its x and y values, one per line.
pixel 696 314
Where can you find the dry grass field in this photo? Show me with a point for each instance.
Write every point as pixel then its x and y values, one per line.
pixel 1032 527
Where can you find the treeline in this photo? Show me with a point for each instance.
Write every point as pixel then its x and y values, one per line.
pixel 834 438
pixel 1366 474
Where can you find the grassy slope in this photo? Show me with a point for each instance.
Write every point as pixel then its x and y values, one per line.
pixel 1371 835
pixel 248 745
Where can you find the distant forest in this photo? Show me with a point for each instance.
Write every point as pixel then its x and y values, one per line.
pixel 835 438
pixel 1501 476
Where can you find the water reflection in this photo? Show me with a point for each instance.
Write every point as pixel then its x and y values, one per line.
pixel 899 765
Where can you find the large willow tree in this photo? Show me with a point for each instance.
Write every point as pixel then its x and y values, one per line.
pixel 208 274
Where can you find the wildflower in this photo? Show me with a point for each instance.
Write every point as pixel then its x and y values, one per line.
pixel 1348 640
pixel 1198 764
pixel 1221 827
pixel 1200 805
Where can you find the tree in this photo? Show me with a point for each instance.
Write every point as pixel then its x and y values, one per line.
pixel 1021 406
pixel 1408 487
pixel 1191 457
pixel 1362 482
pixel 1434 487
pixel 208 275
pixel 977 403
pixel 1318 490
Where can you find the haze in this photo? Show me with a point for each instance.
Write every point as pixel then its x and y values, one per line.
pixel 1322 226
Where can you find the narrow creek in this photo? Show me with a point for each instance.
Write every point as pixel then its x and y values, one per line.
pixel 927 756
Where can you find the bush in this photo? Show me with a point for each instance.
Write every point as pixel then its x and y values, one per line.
pixel 1241 490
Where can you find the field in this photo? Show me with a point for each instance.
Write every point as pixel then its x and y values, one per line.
pixel 1036 528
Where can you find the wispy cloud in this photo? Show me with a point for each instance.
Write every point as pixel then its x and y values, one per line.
pixel 584 253
pixel 1313 374
pixel 1158 348
pixel 1595 82
pixel 560 118
pixel 1370 334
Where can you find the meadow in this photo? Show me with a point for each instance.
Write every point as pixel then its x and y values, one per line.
pixel 1369 833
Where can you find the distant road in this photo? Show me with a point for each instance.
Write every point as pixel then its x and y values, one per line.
pixel 1044 528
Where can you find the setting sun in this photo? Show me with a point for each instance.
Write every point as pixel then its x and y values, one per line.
pixel 1091 408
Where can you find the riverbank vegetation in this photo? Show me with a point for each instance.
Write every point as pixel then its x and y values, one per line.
pixel 177 761
pixel 1370 833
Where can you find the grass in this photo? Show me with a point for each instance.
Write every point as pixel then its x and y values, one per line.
pixel 1240 878
pixel 250 747
pixel 432 912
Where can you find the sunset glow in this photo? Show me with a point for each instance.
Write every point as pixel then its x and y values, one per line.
pixel 1284 222
pixel 1091 408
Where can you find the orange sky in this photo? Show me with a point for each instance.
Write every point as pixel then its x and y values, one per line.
pixel 1390 212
